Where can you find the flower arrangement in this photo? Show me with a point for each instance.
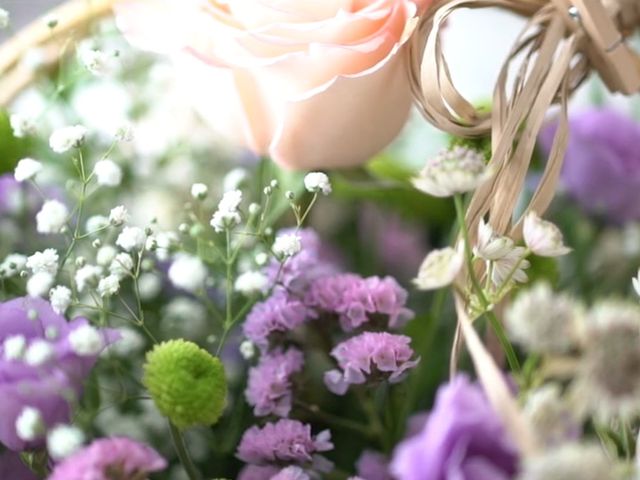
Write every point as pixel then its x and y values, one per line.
pixel 202 277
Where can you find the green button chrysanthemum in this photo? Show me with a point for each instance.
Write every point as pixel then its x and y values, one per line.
pixel 187 384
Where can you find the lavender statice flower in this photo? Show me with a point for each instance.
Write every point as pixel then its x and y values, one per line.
pixel 12 467
pixel 373 466
pixel 291 473
pixel 283 442
pixel 278 314
pixel 315 260
pixel 357 300
pixel 269 386
pixel 602 163
pixel 257 472
pixel 370 356
pixel 463 439
pixel 44 361
pixel 108 458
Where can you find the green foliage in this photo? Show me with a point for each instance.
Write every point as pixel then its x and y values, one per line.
pixel 11 148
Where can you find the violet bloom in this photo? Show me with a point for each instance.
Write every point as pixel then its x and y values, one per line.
pixel 602 164
pixel 269 385
pixel 291 473
pixel 315 260
pixel 370 356
pixel 109 458
pixel 463 439
pixel 44 361
pixel 10 194
pixel 258 472
pixel 12 468
pixel 283 442
pixel 357 300
pixel 373 466
pixel 278 314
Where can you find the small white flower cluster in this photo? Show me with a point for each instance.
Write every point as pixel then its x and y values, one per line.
pixel 252 282
pixel 287 245
pixel 43 267
pixel 199 191
pixel 188 272
pixel 97 62
pixel 227 215
pixel 22 125
pixel 317 182
pixel 108 173
pixel 66 138
pixel 52 217
pixel 64 440
pixel 27 169
pixel 12 265
pixel 440 268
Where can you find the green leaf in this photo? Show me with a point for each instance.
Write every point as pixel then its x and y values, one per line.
pixel 11 148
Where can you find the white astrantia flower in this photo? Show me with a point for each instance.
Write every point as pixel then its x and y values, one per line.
pixel 96 61
pixel 52 217
pixel 60 299
pixel 105 255
pixel 188 273
pixel 121 265
pixel 14 347
pixel 489 245
pixel 199 191
pixel 251 282
pixel 26 169
pixel 542 237
pixel 39 284
pixel 125 133
pixel 510 268
pixel 109 286
pixel 552 418
pixel 452 171
pixel 39 352
pixel 287 245
pixel 22 125
pixel 108 173
pixel 440 268
pixel 636 283
pixel 66 138
pixel 316 182
pixel 234 179
pixel 118 215
pixel 12 265
pixel 44 261
pixel 4 18
pixel 131 239
pixel 96 223
pixel 64 440
pixel 247 349
pixel 30 425
pixel 86 276
pixel 86 341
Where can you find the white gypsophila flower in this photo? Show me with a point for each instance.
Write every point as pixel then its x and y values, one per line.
pixel 247 349
pixel 86 341
pixel 571 461
pixel 230 201
pixel 542 237
pixel 30 424
pixel 26 169
pixel 96 61
pixel 64 440
pixel 234 179
pixel 39 352
pixel 453 171
pixel 118 215
pixel 121 265
pixel 261 259
pixel 86 276
pixel 489 245
pixel 66 138
pixel 223 220
pixel 609 374
pixel 636 283
pixel 542 321
pixel 12 265
pixel 4 18
pixel 510 268
pixel 14 347
pixel 199 191
pixel 149 286
pixel 554 420
pixel 172 324
pixel 108 173
pixel 96 223
pixel 52 217
pixel 252 282
pixel 287 245
pixel 60 299
pixel 105 255
pixel 44 261
pixel 109 286
pixel 39 284
pixel 131 239
pixel 162 243
pixel 130 342
pixel 188 273
pixel 125 133
pixel 316 182
pixel 22 125
pixel 440 268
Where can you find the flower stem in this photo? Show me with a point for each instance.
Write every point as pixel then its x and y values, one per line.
pixel 512 358
pixel 183 453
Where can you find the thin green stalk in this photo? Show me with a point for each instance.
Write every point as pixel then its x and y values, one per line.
pixel 183 453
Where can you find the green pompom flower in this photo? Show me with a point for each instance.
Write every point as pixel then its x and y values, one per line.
pixel 187 384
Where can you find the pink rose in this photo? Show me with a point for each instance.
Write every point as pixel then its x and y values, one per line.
pixel 311 83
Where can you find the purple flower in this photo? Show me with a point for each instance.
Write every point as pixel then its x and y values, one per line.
pixel 315 260
pixel 9 194
pixel 602 164
pixel 373 466
pixel 257 472
pixel 291 473
pixel 358 300
pixel 370 356
pixel 278 314
pixel 462 439
pixel 109 458
pixel 283 442
pixel 40 367
pixel 12 468
pixel 269 386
